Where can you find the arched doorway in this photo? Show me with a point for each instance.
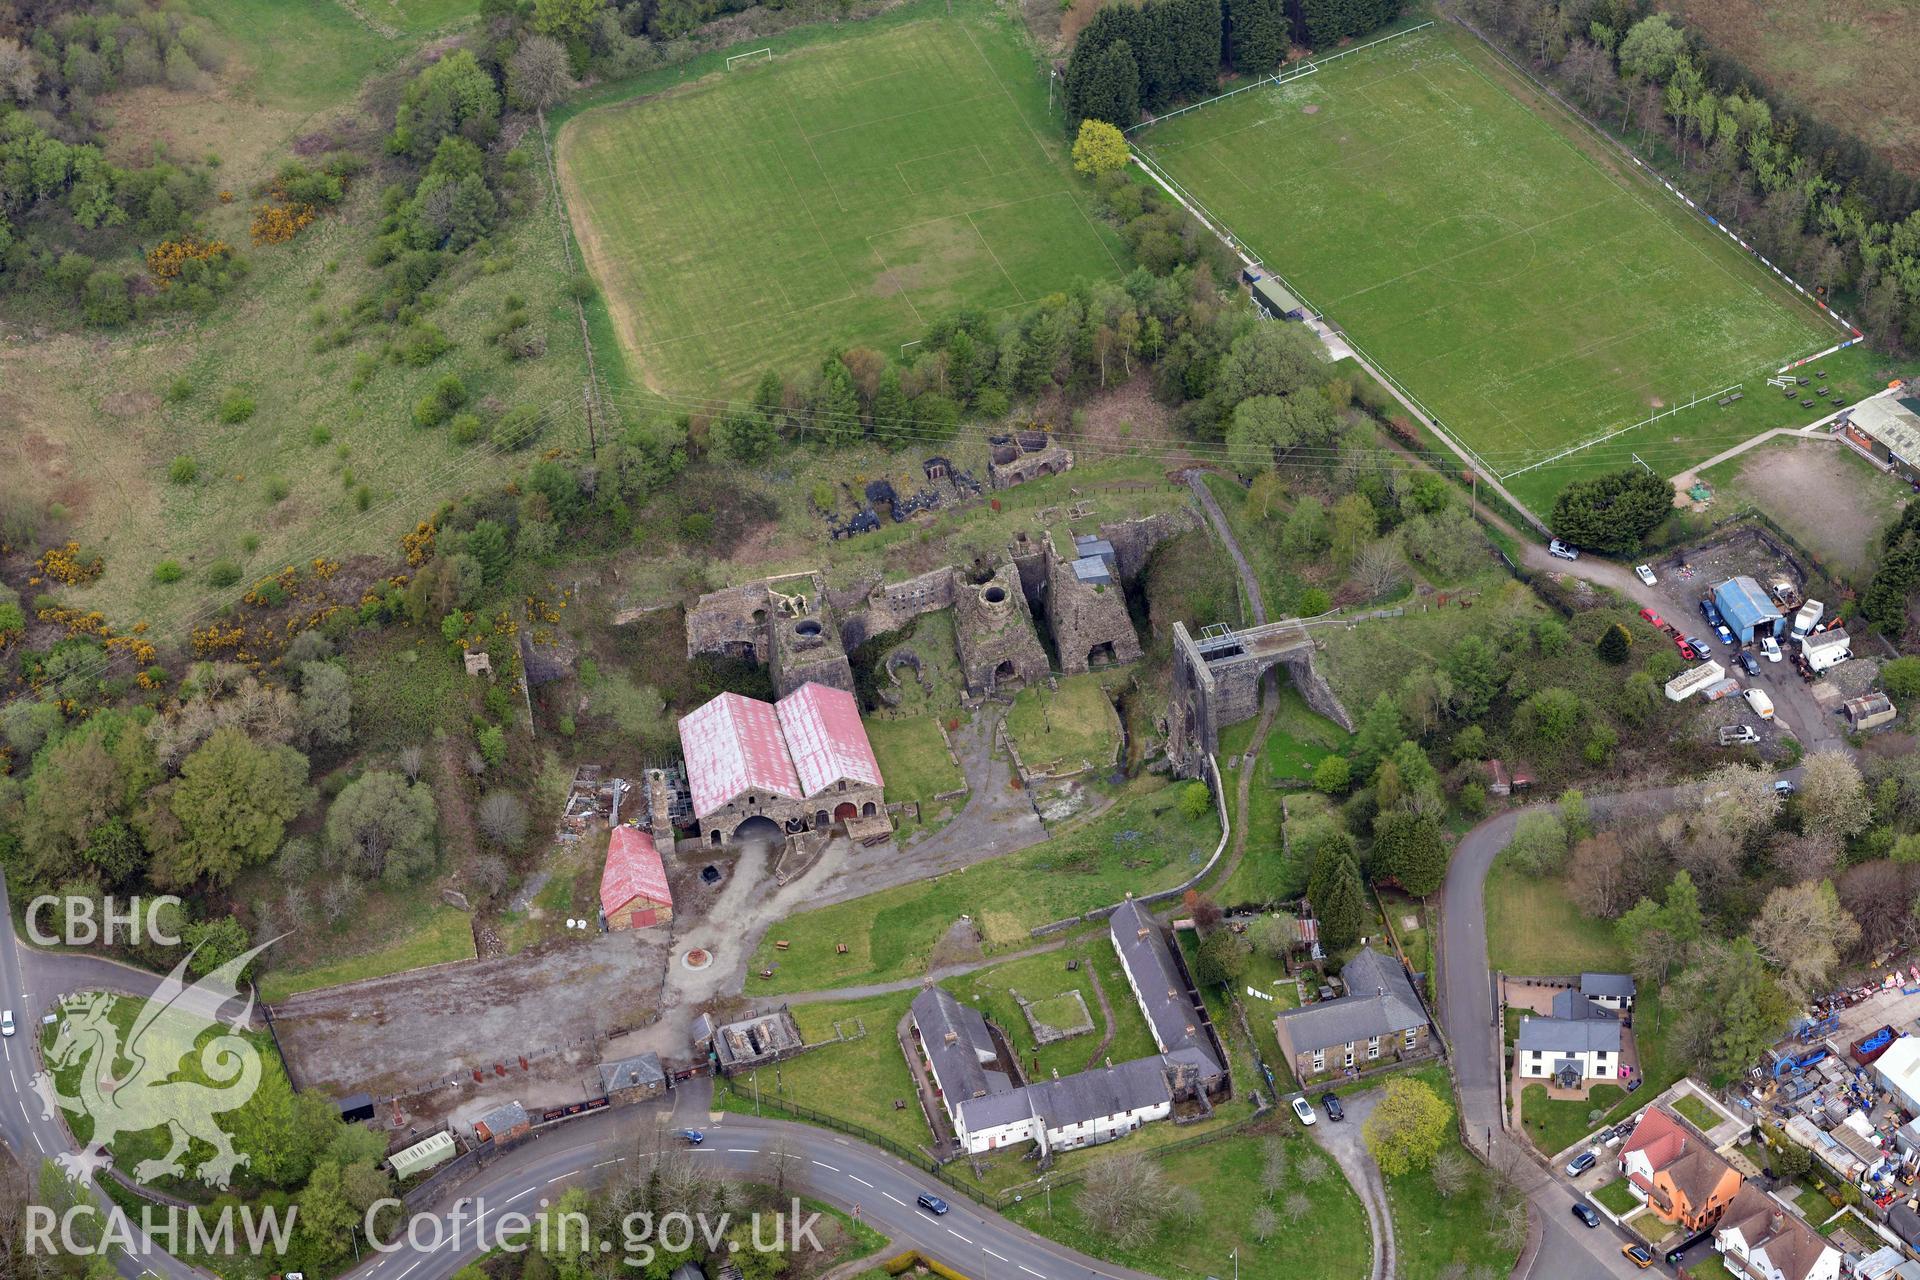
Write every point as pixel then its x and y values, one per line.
pixel 867 810
pixel 845 812
pixel 759 829
pixel 820 818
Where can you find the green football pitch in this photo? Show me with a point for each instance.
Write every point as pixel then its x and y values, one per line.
pixel 1521 280
pixel 844 192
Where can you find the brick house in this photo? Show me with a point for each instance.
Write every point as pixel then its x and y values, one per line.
pixel 1677 1173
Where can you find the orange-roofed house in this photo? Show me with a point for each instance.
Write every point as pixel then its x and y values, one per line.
pixel 633 887
pixel 1674 1170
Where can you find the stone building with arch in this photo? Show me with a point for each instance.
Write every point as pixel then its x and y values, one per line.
pixel 769 770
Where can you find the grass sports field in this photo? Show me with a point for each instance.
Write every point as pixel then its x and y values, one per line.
pixel 1519 279
pixel 845 192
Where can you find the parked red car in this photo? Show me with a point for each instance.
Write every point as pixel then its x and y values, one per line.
pixel 1653 620
pixel 1687 651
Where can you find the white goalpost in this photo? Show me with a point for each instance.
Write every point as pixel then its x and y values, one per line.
pixel 750 57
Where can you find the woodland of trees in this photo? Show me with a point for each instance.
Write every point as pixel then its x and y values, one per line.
pixel 1131 59
pixel 1741 903
pixel 1811 198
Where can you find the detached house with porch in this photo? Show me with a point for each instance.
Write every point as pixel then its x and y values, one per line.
pixel 1379 1019
pixel 1759 1240
pixel 1569 1051
pixel 1678 1175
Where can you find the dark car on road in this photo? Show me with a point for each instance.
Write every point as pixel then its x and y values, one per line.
pixel 1748 663
pixel 1335 1111
pixel 1584 1211
pixel 932 1204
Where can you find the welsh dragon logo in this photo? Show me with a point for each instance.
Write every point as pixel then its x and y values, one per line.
pixel 135 1084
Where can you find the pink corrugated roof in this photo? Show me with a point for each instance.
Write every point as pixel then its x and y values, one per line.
pixel 634 870
pixel 825 737
pixel 733 745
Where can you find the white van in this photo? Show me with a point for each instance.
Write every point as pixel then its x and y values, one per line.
pixel 1762 705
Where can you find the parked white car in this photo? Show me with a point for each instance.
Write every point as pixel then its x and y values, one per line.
pixel 1770 647
pixel 1646 573
pixel 1735 734
pixel 1561 550
pixel 1304 1109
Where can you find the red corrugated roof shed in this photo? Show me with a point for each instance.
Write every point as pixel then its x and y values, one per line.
pixel 634 870
pixel 733 745
pixel 825 737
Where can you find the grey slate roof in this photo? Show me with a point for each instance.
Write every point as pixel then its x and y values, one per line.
pixel 631 1073
pixel 994 1110
pixel 1163 992
pixel 1572 1006
pixel 504 1119
pixel 1379 1002
pixel 1101 1091
pixel 1611 986
pixel 1559 1035
pixel 958 1044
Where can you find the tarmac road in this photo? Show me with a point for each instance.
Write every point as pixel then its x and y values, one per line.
pixel 829 1168
pixel 1568 1250
pixel 826 1167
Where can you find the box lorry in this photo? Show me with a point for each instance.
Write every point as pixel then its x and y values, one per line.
pixel 1807 619
pixel 1762 705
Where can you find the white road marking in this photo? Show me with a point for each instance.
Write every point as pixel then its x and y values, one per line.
pixel 957 1236
pixel 604 1163
pixel 824 1165
pixel 527 1192
pixel 562 1178
pixel 862 1181
pixel 404 1274
pixel 743 1151
pixel 1030 1271
pixel 991 1254
pixel 896 1199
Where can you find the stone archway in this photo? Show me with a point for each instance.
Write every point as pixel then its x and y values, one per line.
pixel 759 829
pixel 846 811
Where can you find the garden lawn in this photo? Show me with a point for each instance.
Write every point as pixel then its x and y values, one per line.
pixel 445 934
pixel 1140 844
pixel 1618 1197
pixel 1330 1241
pixel 1702 1115
pixel 1065 730
pixel 855 1081
pixel 1045 978
pixel 1533 928
pixel 1555 1125
pixel 913 758
pixel 1432 1232
pixel 1498 258
pixel 847 192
